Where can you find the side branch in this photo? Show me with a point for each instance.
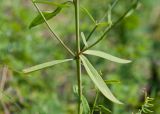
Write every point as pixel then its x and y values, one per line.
pixel 108 29
pixel 54 34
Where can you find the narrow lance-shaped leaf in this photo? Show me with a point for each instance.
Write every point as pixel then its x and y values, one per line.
pixel 103 24
pixel 135 4
pixel 89 14
pixel 106 56
pixel 47 2
pixel 112 82
pixel 109 15
pixel 104 109
pixel 86 108
pixel 45 65
pixel 84 39
pixel 97 80
pixel 48 15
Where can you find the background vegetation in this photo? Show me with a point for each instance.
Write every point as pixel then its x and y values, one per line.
pixel 50 91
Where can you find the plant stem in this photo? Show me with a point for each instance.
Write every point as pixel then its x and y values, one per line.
pixel 93 30
pixel 78 61
pixel 53 33
pixel 96 26
pixel 107 30
pixel 95 101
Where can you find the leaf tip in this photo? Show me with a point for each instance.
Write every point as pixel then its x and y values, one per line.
pixel 24 71
pixel 128 61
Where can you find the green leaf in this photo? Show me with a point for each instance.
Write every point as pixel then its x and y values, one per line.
pixel 134 6
pixel 44 65
pixel 112 81
pixel 84 39
pixel 103 24
pixel 104 109
pixel 48 15
pixel 129 13
pixel 86 108
pixel 109 15
pixel 89 14
pixel 97 80
pixel 65 4
pixel 106 56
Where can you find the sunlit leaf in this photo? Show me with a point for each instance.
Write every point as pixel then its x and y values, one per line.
pixel 109 15
pixel 44 65
pixel 97 79
pixel 106 56
pixel 84 39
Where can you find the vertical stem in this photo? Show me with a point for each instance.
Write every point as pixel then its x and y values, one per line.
pixel 95 101
pixel 78 61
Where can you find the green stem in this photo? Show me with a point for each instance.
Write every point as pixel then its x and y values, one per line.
pixel 96 26
pixel 107 30
pixel 95 102
pixel 53 33
pixel 112 6
pixel 78 61
pixel 93 30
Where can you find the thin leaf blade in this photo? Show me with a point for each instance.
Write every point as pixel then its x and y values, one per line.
pixel 84 39
pixel 48 15
pixel 47 2
pixel 45 65
pixel 89 14
pixel 106 56
pixel 104 109
pixel 134 6
pixel 86 108
pixel 112 82
pixel 98 81
pixel 110 15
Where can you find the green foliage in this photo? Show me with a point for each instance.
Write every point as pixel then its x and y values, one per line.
pixel 145 108
pixel 47 15
pixel 86 108
pixel 45 65
pixel 104 109
pixel 84 39
pixel 89 14
pixel 49 91
pixel 97 80
pixel 106 56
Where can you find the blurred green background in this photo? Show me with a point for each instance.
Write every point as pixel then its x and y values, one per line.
pixel 50 91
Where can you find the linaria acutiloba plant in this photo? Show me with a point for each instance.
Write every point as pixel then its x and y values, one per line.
pixel 82 50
